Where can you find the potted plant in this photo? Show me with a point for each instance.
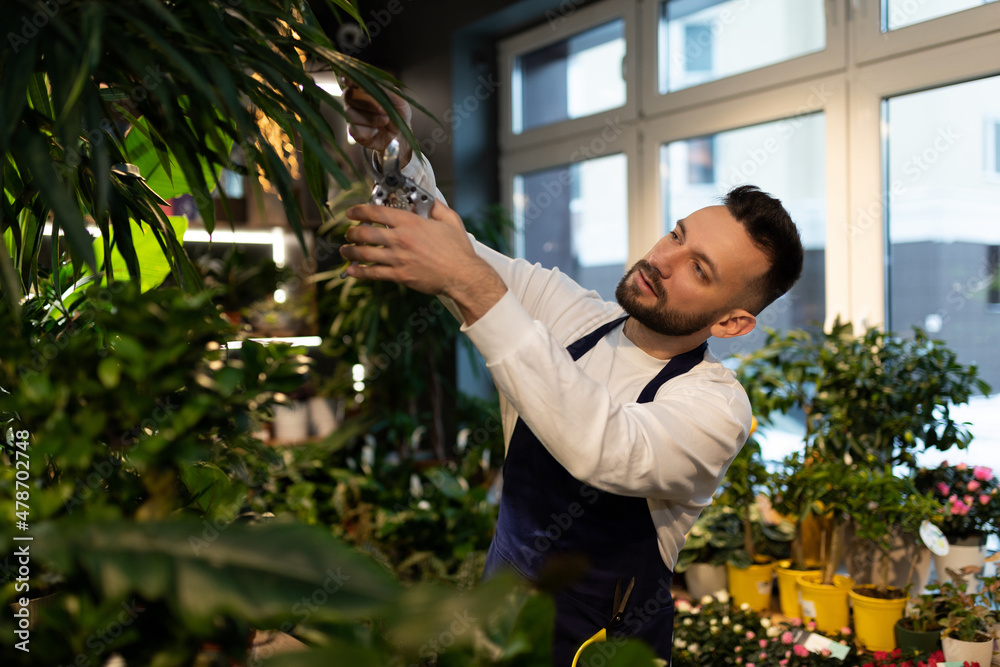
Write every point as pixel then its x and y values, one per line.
pixel 881 506
pixel 766 536
pixel 713 538
pixel 919 630
pixel 824 594
pixel 968 507
pixel 966 633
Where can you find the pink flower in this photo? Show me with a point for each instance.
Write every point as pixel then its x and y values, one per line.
pixel 763 656
pixel 811 625
pixel 973 485
pixel 958 508
pixel 984 499
pixel 825 652
pixel 982 473
pixel 846 631
pixel 800 650
pixel 783 662
pixel 968 500
pixel 750 634
pixel 943 488
pixel 961 466
pixel 750 664
pixel 763 643
pixel 786 637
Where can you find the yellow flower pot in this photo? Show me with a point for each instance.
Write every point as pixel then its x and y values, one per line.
pixel 825 604
pixel 788 587
pixel 752 585
pixel 874 618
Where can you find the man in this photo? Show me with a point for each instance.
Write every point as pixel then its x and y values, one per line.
pixel 619 423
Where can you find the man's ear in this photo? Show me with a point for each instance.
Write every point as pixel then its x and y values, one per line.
pixel 735 323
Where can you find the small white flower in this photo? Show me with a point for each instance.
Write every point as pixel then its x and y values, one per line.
pixel 683 606
pixel 714 630
pixel 707 600
pixel 694 648
pixel 738 629
pixel 725 620
pixel 765 622
pixel 722 596
pixel 745 606
pixel 688 621
pixel 680 643
pixel 773 631
pixel 713 621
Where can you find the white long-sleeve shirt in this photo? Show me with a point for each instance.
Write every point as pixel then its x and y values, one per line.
pixel 673 451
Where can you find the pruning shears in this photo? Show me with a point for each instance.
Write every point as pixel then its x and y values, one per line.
pixel 392 188
pixel 617 616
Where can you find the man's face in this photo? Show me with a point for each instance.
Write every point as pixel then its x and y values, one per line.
pixel 689 280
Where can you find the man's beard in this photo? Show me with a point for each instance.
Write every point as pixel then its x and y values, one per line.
pixel 658 318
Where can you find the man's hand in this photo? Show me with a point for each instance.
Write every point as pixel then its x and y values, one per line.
pixel 431 255
pixel 368 122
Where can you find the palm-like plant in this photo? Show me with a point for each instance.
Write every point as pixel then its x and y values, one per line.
pixel 177 89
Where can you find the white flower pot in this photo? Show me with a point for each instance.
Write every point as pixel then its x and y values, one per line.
pixel 958 651
pixel 703 579
pixel 291 422
pixel 958 556
pixel 323 416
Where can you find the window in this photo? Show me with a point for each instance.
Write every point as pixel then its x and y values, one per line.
pixel 572 78
pixel 901 13
pixel 887 154
pixel 704 40
pixel 943 225
pixel 575 217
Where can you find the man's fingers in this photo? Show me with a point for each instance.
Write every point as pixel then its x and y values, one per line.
pixel 367 234
pixel 382 215
pixel 366 254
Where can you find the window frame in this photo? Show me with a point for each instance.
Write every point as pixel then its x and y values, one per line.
pixel 872 44
pixel 832 58
pixel 555 30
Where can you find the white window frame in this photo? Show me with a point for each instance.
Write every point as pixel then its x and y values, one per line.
pixel 870 85
pixel 873 44
pixel 832 58
pixel 609 141
pixel 556 29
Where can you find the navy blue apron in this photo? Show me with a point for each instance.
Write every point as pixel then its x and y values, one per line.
pixel 545 511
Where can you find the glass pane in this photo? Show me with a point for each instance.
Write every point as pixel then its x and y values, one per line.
pixel 575 217
pixel 576 77
pixel 944 236
pixel 705 40
pixel 785 158
pixel 901 13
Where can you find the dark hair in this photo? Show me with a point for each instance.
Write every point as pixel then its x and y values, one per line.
pixel 771 229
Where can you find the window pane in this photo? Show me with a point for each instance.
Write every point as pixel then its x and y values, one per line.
pixel 785 158
pixel 901 13
pixel 704 40
pixel 576 77
pixel 575 217
pixel 944 235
